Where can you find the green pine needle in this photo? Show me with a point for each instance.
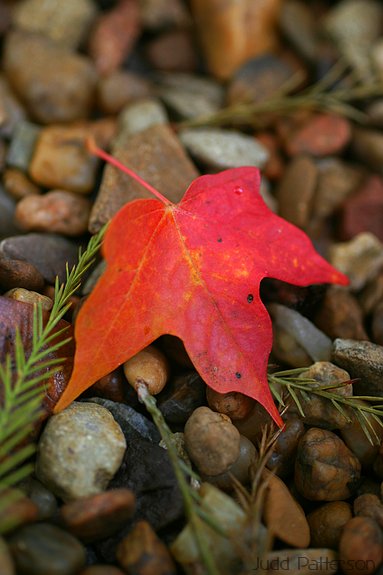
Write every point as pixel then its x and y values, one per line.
pixel 22 379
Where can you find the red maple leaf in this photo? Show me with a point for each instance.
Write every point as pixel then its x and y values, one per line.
pixel 193 270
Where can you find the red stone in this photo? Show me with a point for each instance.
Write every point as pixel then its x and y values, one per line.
pixel 319 135
pixel 363 211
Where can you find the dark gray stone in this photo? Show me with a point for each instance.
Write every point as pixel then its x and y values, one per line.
pixel 22 145
pixel 363 360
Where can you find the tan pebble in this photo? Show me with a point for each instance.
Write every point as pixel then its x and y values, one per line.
pixel 327 522
pixel 240 469
pixel 57 211
pixel 18 185
pixel 141 552
pixel 148 366
pixel 234 404
pixel 211 440
pixel 361 546
pixel 283 516
pixel 28 296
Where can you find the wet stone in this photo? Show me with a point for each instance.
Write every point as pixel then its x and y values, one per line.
pixel 29 296
pixel 98 516
pixel 18 185
pixel 189 96
pixel 363 360
pixel 65 21
pixel 296 190
pixel 325 469
pixel 360 259
pixel 173 51
pixel 12 111
pixel 258 79
pixel 181 396
pixel 114 35
pixel 327 522
pixel 340 315
pixel 22 145
pixel 222 149
pixel 281 461
pixel 17 273
pixel 48 253
pixel 363 212
pixel 158 157
pixel 6 562
pixel 112 386
pixel 44 549
pixel 319 135
pixel 120 88
pixel 361 543
pixel 57 211
pixel 94 440
pixel 30 63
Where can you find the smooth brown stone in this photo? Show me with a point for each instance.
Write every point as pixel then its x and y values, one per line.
pixel 173 51
pixel 340 315
pixel 327 522
pixel 369 505
pixel 281 461
pixel 119 88
pixel 99 516
pixel 18 185
pixel 361 546
pixel 18 273
pixel 367 145
pixel 158 157
pixel 296 190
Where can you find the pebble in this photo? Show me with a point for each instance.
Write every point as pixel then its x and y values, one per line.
pixel 44 549
pixel 298 24
pixel 119 88
pixel 57 211
pixel 112 386
pixel 232 32
pixel 281 460
pixel 30 63
pixel 340 315
pixel 211 440
pixel 44 499
pixel 327 522
pixel 12 111
pixel 141 552
pixel 98 516
pixel 172 51
pixel 369 505
pixel 300 561
pixel 239 470
pixel 114 36
pixel 220 149
pixel 18 185
pixel 296 190
pixel 158 157
pixel 15 273
pixel 48 253
pixel 190 96
pixel 275 165
pixel 181 396
pixel 157 14
pixel 234 404
pixel 6 563
pixel 283 516
pixel 297 341
pixel 66 22
pixel 148 366
pixel 363 211
pixel 319 135
pixel 28 296
pixel 361 546
pixel 22 145
pixel 363 446
pixel 363 360
pixel 61 161
pixel 95 442
pixel 360 259
pixel 325 469
pixel 372 294
pixel 138 116
pixel 7 211
pixel 259 79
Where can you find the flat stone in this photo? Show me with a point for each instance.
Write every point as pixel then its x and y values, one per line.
pixel 325 469
pixel 157 156
pixel 233 32
pixel 30 62
pixel 361 259
pixel 340 315
pixel 66 22
pixel 98 516
pixel 363 360
pixel 190 96
pixel 45 549
pixel 22 145
pixel 363 211
pixel 220 149
pixel 96 445
pixel 120 88
pixel 296 190
pixel 48 253
pixel 327 522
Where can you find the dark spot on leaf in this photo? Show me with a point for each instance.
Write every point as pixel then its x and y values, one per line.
pixel 250 297
pixel 238 375
pixel 219 240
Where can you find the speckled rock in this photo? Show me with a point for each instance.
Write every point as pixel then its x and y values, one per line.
pixel 221 149
pixel 57 211
pixel 44 549
pixel 325 469
pixel 360 259
pixel 363 360
pixel 327 522
pixel 96 445
pixel 30 62
pixel 66 22
pixel 361 546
